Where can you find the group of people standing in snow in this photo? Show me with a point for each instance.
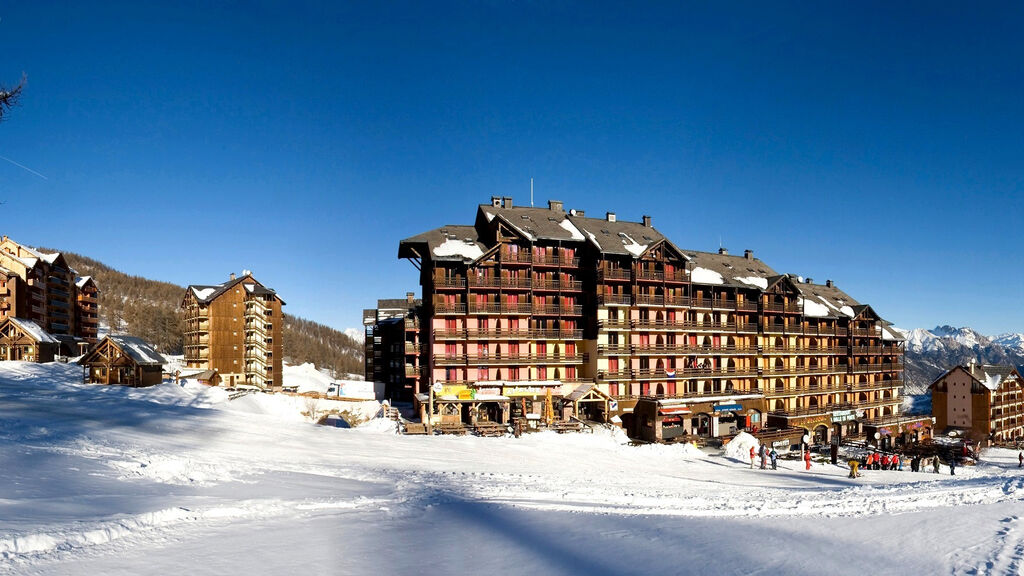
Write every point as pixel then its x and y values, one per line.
pixel 878 461
pixel 769 454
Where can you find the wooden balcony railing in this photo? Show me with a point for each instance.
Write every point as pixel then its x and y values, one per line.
pixel 612 274
pixel 615 299
pixel 527 334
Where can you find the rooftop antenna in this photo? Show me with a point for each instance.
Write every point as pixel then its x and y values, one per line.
pixel 531 192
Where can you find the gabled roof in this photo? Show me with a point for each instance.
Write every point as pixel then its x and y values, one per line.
pixel 991 376
pixel 33 330
pixel 824 301
pixel 207 293
pixel 135 348
pixel 620 237
pixel 533 223
pixel 451 243
pixel 83 280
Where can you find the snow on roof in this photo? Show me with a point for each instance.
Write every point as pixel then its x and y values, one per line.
pixel 203 293
pixel 633 247
pixel 761 283
pixel 35 331
pixel 137 349
pixel 456 247
pixel 992 381
pixel 705 276
pixel 80 282
pixel 576 234
pixel 812 308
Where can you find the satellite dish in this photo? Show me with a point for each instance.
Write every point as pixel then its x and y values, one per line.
pixel 437 387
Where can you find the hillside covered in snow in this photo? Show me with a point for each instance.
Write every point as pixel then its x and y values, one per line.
pixel 110 480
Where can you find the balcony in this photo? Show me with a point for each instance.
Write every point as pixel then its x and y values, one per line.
pixel 452 282
pixel 614 299
pixel 768 371
pixel 873 332
pixel 450 308
pixel 661 276
pixel 615 274
pixel 557 310
pixel 690 326
pixel 557 285
pixel 528 334
pixel 505 282
pixel 659 300
pixel 782 308
pixel 813 410
pixel 546 260
pixel 696 373
pixel 684 349
pixel 804 350
pixel 614 324
pixel 614 349
pixel 509 257
pixel 505 359
pixel 872 368
pixel 621 374
pixel 411 371
pixel 500 308
pixel 411 348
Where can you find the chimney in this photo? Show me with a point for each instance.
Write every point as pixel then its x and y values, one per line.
pixel 232 275
pixel 610 216
pixel 555 205
pixel 829 284
pixel 506 201
pixel 646 220
pixel 576 212
pixel 495 201
pixel 748 254
pixel 723 251
pixel 808 280
pixel 410 297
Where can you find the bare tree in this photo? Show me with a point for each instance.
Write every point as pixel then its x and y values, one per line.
pixel 9 97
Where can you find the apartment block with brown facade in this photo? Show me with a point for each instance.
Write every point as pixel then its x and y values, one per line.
pixel 534 299
pixel 236 329
pixel 983 401
pixel 41 287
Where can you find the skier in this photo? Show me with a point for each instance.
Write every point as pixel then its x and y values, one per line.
pixel 807 458
pixel 763 452
pixel 752 452
pixel 853 468
pixel 935 463
pixel 1020 459
pixel 899 463
pixel 885 462
pixel 775 459
pixel 952 466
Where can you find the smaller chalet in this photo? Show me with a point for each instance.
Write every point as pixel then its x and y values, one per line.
pixel 123 360
pixel 22 339
pixel 981 401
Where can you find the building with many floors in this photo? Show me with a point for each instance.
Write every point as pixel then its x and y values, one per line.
pixel 42 288
pixel 982 401
pixel 236 329
pixel 392 346
pixel 529 299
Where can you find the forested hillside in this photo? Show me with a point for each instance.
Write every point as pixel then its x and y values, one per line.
pixel 149 309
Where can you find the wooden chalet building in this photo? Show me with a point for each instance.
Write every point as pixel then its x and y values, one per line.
pixel 392 346
pixel 540 295
pixel 235 328
pixel 984 402
pixel 24 340
pixel 123 360
pixel 41 287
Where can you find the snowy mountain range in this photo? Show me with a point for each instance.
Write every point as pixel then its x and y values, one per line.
pixel 931 352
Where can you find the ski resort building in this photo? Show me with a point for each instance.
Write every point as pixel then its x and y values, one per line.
pixel 529 299
pixel 41 287
pixel 24 340
pixel 236 329
pixel 392 346
pixel 124 361
pixel 984 402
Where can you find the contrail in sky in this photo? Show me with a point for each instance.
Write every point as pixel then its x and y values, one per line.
pixel 23 167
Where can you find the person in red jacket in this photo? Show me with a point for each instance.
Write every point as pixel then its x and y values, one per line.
pixel 752 453
pixel 885 462
pixel 807 458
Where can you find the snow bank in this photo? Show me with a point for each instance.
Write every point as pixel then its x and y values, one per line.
pixel 739 447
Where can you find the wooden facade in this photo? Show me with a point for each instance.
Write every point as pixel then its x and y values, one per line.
pixel 392 346
pixel 41 287
pixel 25 340
pixel 235 328
pixel 543 294
pixel 124 361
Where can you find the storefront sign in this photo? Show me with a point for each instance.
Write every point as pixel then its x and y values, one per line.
pixel 728 407
pixel 467 394
pixel 781 444
pixel 885 431
pixel 843 416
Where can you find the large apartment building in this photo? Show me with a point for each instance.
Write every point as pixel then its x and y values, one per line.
pixel 41 287
pixel 392 346
pixel 535 299
pixel 984 402
pixel 236 329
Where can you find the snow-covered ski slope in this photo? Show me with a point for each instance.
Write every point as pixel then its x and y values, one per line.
pixel 108 480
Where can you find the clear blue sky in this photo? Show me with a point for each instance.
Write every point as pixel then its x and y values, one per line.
pixel 876 145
